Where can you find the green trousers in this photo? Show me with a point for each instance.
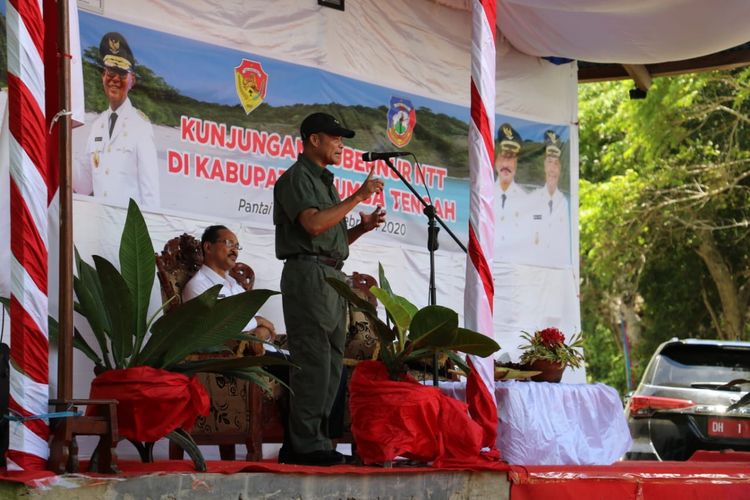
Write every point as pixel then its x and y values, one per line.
pixel 315 317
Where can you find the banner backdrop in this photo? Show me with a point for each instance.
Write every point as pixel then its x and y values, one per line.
pixel 224 126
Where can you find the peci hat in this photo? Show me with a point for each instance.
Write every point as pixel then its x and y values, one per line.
pixel 323 122
pixel 115 53
pixel 552 144
pixel 509 140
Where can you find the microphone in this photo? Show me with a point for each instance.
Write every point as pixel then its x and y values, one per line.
pixel 372 156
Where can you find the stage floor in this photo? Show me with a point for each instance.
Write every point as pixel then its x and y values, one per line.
pixel 706 478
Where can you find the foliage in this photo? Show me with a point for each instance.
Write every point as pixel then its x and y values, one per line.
pixel 664 212
pixel 605 358
pixel 416 333
pixel 549 345
pixel 115 304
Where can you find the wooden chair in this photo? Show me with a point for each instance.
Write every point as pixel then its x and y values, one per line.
pixel 180 260
pixel 236 413
pixel 63 455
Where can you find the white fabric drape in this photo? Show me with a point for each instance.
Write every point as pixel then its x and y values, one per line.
pixel 540 423
pixel 625 32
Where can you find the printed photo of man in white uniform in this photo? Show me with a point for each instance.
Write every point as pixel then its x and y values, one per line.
pixel 512 218
pixel 550 211
pixel 120 156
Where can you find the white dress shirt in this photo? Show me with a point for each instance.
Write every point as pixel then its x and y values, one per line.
pixel 205 278
pixel 551 236
pixel 512 224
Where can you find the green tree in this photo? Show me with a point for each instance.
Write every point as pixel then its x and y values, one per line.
pixel 665 209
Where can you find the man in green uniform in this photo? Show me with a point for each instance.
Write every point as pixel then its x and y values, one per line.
pixel 313 240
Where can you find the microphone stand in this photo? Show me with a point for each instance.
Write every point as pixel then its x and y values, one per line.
pixel 432 245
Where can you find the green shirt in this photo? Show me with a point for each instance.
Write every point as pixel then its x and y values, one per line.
pixel 306 185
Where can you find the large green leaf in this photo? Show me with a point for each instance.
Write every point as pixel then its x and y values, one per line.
pixel 398 308
pixel 87 306
pixel 433 326
pixel 384 284
pixel 181 438
pixel 91 303
pixel 119 305
pixel 257 376
pixel 346 292
pixel 174 327
pixel 418 354
pixel 78 341
pixel 220 365
pixel 137 264
pixel 472 342
pixel 224 320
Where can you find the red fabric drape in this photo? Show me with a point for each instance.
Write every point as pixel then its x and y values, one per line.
pixel 482 408
pixel 152 402
pixel 407 419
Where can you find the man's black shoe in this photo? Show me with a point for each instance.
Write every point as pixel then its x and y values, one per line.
pixel 285 454
pixel 323 458
pixel 347 459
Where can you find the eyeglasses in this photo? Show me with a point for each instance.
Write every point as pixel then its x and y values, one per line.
pixel 231 244
pixel 111 73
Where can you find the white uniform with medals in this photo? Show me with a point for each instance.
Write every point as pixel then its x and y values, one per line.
pixel 124 165
pixel 512 220
pixel 551 228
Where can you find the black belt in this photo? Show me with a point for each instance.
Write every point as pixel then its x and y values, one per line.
pixel 321 259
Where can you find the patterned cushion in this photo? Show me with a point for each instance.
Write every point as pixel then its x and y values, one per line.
pixel 228 413
pixel 361 339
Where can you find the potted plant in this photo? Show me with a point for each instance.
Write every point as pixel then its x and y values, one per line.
pixel 412 334
pixel 546 351
pixel 157 392
pixel 393 414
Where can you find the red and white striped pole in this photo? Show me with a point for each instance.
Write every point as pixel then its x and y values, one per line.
pixel 29 377
pixel 479 292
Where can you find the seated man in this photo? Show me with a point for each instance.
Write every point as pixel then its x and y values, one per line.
pixel 220 251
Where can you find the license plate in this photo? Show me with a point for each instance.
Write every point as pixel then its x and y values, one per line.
pixel 727 427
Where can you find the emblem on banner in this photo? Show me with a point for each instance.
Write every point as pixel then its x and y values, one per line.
pixel 250 80
pixel 401 120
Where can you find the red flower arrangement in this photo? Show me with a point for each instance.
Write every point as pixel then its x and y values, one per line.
pixel 550 337
pixel 549 345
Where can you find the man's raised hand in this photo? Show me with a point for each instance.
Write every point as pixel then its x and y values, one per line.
pixel 371 186
pixel 372 220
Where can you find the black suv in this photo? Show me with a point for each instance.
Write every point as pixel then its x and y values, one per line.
pixel 695 395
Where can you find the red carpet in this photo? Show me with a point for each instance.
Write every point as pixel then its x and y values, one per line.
pixel 131 468
pixel 710 475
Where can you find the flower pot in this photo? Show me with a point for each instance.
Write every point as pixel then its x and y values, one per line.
pixel 151 402
pixel 405 418
pixel 552 371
